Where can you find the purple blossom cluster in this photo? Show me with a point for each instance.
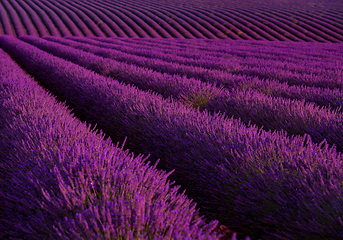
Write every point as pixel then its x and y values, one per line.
pixel 60 179
pixel 266 184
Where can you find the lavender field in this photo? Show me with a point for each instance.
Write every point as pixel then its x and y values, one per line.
pixel 171 120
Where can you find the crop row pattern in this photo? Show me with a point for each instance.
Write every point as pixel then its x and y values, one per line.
pixel 61 180
pixel 296 117
pixel 255 181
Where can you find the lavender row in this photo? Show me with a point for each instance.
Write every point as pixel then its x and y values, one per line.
pixel 7 29
pixel 240 20
pixel 119 25
pixel 171 68
pixel 325 22
pixel 51 18
pixel 333 14
pixel 221 162
pixel 329 18
pixel 202 25
pixel 236 68
pixel 271 24
pixel 264 30
pixel 222 45
pixel 170 27
pixel 287 51
pixel 36 21
pixel 192 28
pixel 167 85
pixel 324 77
pixel 160 22
pixel 143 51
pixel 62 20
pixel 242 55
pixel 259 21
pixel 320 29
pixel 180 27
pixel 278 67
pixel 87 27
pixel 140 17
pixel 145 26
pixel 292 30
pixel 27 24
pixel 15 20
pixel 97 80
pixel 205 23
pixel 242 33
pixel 288 31
pixel 82 18
pixel 144 20
pixel 47 22
pixel 319 25
pixel 66 182
pixel 96 22
pixel 66 19
pixel 106 17
pixel 232 30
pixel 241 29
pixel 295 117
pixel 2 30
pixel 323 97
pixel 176 27
pixel 226 26
pixel 131 22
pixel 201 59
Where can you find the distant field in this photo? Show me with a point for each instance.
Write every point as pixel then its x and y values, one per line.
pixel 307 21
pixel 207 120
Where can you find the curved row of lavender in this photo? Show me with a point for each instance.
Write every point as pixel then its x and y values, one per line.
pixel 295 117
pixel 265 184
pixel 62 180
pixel 153 19
pixel 276 77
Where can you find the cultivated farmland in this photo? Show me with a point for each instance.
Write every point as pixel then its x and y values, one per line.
pixel 151 120
pixel 300 21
